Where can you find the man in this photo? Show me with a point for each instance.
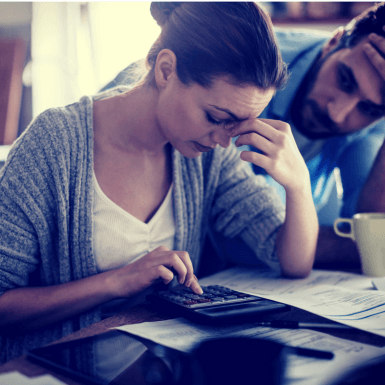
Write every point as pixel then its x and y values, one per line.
pixel 334 102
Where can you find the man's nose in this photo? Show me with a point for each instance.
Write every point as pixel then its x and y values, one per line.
pixel 221 136
pixel 341 106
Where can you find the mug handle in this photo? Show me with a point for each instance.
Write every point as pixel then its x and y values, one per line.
pixel 344 220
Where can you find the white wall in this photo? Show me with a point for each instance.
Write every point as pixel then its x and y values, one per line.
pixel 14 14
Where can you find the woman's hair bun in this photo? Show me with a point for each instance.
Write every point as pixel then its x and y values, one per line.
pixel 161 11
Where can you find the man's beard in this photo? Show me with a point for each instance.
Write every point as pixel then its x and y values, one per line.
pixel 302 101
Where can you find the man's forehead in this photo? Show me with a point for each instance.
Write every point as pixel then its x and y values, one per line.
pixel 370 82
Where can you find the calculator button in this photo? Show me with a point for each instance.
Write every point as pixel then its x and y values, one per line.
pixel 243 295
pixel 231 297
pixel 203 300
pixel 180 300
pixel 217 299
pixel 190 302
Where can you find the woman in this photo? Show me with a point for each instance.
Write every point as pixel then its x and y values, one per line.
pixel 103 198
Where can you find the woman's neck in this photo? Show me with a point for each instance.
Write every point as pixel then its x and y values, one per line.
pixel 128 122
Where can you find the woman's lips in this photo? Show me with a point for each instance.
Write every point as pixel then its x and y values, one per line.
pixel 202 148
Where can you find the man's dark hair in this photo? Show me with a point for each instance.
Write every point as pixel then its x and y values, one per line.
pixel 370 21
pixel 213 39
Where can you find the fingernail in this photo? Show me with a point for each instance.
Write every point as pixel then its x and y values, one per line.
pixel 367 47
pixel 373 36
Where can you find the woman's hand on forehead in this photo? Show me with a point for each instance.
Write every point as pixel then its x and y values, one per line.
pixel 280 156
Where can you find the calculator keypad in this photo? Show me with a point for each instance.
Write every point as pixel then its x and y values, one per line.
pixel 211 296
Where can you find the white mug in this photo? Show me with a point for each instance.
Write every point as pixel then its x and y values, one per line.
pixel 368 231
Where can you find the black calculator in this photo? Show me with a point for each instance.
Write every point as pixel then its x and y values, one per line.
pixel 217 304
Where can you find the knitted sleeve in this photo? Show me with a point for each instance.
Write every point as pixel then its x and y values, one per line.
pixel 246 206
pixel 37 183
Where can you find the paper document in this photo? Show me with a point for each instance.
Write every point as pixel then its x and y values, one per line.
pixel 184 335
pixel 16 378
pixel 379 283
pixel 341 297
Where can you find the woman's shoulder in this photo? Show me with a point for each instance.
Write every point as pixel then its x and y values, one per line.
pixel 59 124
pixel 54 133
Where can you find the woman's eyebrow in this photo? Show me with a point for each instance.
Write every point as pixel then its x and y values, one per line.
pixel 235 117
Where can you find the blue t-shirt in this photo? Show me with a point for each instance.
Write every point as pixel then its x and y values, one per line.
pixel 352 154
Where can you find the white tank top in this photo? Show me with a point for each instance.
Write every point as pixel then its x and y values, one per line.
pixel 119 238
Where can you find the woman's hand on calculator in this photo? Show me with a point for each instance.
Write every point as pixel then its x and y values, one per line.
pixel 158 265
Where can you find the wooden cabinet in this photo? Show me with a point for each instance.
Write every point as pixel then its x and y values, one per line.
pixel 12 60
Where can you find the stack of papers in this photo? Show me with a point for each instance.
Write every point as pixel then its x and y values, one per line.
pixel 337 296
pixel 341 297
pixel 16 378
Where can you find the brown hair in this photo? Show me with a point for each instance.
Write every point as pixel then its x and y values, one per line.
pixel 212 39
pixel 370 21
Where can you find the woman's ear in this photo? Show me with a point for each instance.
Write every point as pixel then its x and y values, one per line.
pixel 333 41
pixel 165 67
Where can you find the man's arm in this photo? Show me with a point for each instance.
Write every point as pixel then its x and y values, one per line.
pixel 356 162
pixel 372 196
pixel 332 248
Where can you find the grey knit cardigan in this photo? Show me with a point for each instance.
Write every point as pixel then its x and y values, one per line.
pixel 46 209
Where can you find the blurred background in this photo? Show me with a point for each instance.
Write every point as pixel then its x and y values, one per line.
pixel 53 53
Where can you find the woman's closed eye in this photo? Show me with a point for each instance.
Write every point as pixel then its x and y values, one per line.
pixel 211 120
pixel 227 123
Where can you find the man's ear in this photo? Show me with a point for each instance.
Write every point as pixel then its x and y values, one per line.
pixel 333 41
pixel 165 66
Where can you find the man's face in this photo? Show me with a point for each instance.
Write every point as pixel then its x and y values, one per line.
pixel 347 95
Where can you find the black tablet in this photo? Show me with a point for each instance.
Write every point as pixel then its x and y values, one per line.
pixel 109 358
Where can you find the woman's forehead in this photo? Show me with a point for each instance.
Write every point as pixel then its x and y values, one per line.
pixel 243 100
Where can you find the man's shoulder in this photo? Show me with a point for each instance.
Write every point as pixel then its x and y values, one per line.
pixel 294 41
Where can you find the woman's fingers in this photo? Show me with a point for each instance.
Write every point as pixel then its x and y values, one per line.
pixel 185 258
pixel 160 264
pixel 255 140
pixel 272 130
pixel 195 287
pixel 178 262
pixel 172 261
pixel 260 160
pixel 191 279
pixel 163 273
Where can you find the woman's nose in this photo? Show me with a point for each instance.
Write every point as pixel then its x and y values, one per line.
pixel 222 136
pixel 340 107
